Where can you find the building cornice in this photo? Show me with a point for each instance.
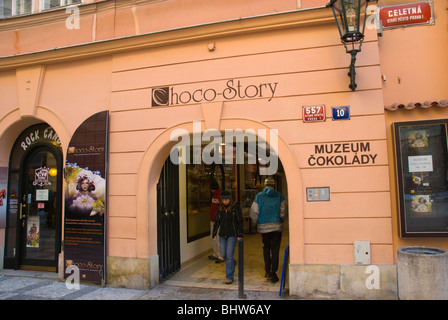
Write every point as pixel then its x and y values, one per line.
pixel 270 22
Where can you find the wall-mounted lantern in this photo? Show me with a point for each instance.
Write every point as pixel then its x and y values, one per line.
pixel 350 18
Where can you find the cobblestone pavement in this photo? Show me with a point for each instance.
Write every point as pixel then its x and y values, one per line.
pixel 30 285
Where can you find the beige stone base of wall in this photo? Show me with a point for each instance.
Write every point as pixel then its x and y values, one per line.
pixel 377 282
pixel 133 273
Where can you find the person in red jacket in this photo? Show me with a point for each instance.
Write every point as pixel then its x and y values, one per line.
pixel 216 200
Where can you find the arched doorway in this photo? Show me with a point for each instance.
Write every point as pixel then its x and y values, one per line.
pixel 243 178
pixel 33 223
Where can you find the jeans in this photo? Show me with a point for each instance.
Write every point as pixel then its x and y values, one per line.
pixel 271 250
pixel 227 245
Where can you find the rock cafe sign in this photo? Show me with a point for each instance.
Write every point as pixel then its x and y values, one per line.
pixel 406 14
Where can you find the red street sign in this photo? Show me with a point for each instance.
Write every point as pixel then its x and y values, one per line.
pixel 313 113
pixel 406 14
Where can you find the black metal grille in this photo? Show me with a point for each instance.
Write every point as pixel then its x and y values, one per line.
pixel 168 220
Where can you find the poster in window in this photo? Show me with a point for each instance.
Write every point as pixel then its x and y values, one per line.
pixel 418 139
pixel 420 163
pixel 33 234
pixel 422 203
pixel 422 177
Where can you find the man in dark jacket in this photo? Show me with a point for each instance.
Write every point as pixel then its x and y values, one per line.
pixel 268 212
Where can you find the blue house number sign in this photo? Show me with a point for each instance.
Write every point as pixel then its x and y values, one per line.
pixel 341 113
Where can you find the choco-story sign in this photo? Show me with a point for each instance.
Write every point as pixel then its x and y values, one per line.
pixel 85 199
pixel 232 89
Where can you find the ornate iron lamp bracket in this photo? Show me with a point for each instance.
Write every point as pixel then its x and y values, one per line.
pixel 352 72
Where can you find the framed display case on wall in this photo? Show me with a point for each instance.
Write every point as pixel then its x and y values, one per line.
pixel 422 177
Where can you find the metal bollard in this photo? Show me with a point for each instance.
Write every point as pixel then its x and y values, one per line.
pixel 241 294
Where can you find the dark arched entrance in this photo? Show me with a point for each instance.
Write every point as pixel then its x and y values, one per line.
pixel 33 223
pixel 184 198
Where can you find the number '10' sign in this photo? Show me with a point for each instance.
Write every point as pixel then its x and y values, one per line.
pixel 341 113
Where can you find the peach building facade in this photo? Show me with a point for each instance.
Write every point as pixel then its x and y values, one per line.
pixel 227 65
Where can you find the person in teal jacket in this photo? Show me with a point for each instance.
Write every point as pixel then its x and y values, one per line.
pixel 268 211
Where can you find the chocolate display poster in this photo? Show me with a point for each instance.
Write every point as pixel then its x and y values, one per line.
pixel 85 199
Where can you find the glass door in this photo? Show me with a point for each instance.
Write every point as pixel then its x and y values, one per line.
pixel 40 211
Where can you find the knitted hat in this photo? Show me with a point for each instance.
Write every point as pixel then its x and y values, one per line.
pixel 226 195
pixel 269 182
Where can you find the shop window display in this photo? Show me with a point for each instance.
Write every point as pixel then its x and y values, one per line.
pixel 422 173
pixel 243 181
